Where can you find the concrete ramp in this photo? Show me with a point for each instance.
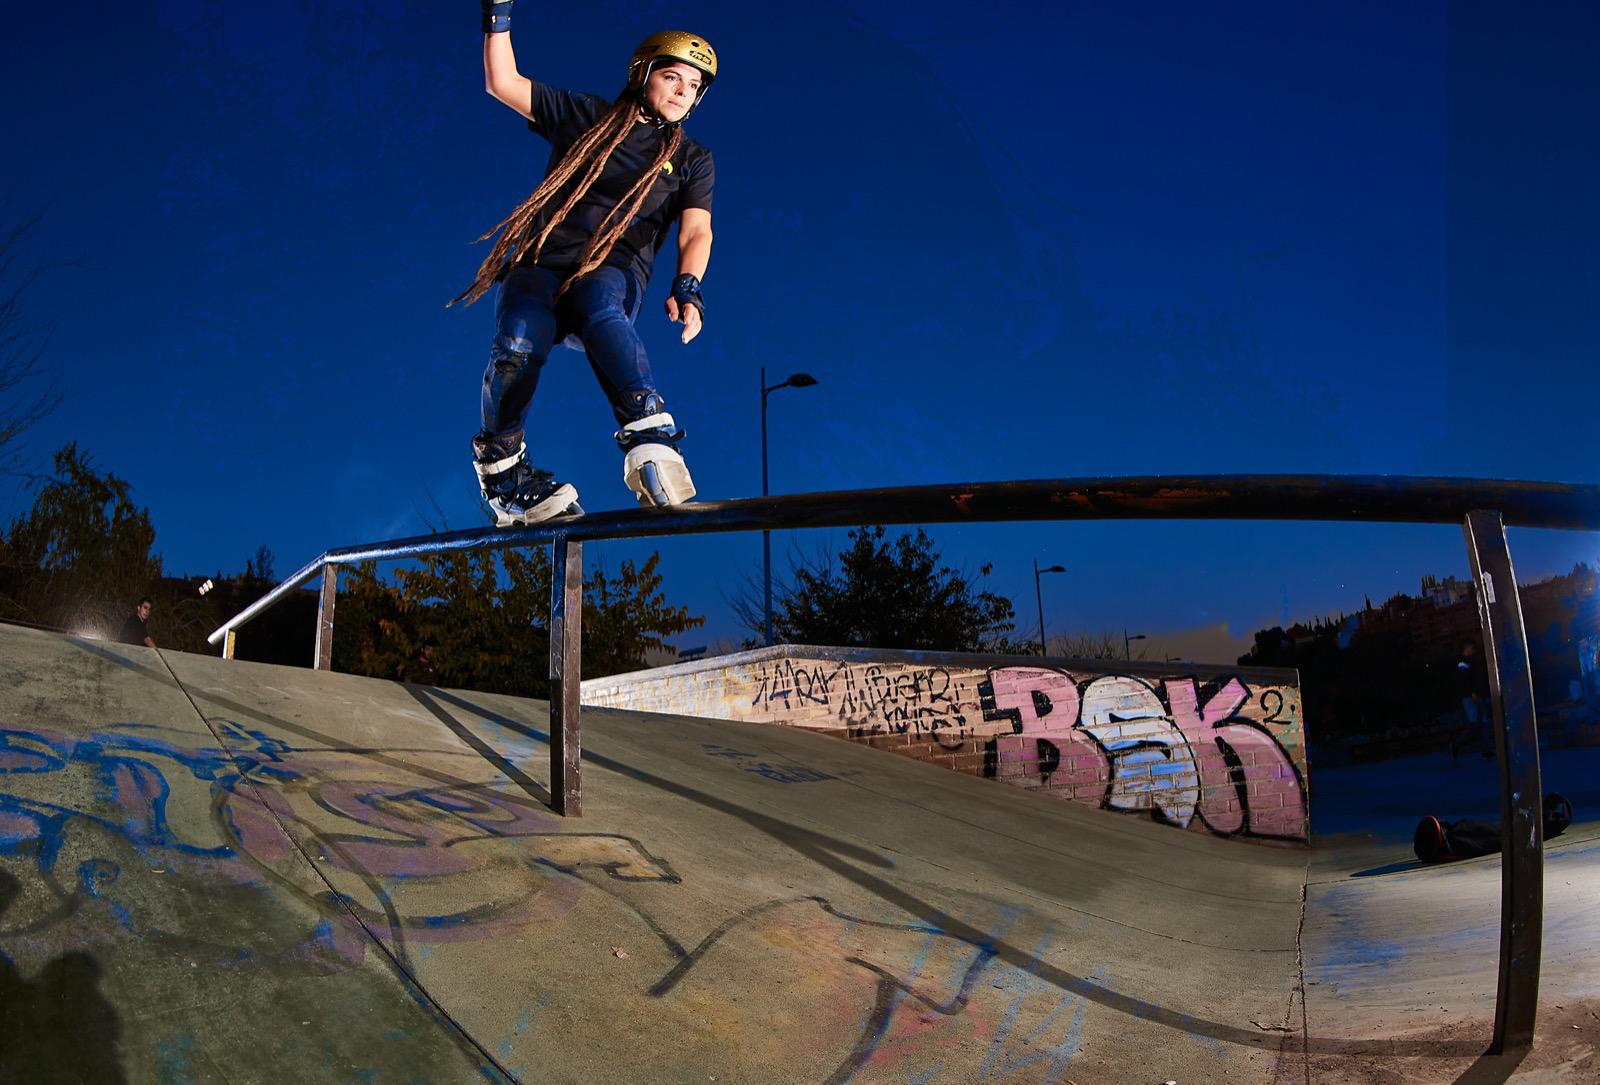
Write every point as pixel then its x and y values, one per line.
pixel 215 871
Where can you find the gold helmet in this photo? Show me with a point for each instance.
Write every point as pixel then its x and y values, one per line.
pixel 669 47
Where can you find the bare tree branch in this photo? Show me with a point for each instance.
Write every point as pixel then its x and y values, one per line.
pixel 27 393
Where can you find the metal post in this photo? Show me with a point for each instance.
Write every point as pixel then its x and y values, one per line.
pixel 766 536
pixel 229 642
pixel 1516 739
pixel 1038 597
pixel 566 675
pixel 322 660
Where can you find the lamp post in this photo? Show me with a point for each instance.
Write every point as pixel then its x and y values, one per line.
pixel 1038 597
pixel 798 380
pixel 1126 653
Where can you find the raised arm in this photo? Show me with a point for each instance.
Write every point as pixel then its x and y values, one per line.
pixel 500 76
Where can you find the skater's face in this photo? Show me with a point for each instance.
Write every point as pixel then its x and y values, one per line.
pixel 144 611
pixel 671 90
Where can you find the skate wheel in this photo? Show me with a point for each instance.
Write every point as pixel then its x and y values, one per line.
pixel 574 509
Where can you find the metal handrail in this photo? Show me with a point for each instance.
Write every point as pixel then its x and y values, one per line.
pixel 1369 498
pixel 1483 507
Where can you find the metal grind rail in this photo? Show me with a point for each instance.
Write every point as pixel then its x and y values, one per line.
pixel 1483 507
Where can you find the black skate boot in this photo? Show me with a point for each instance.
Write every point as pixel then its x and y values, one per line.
pixel 518 492
pixel 652 466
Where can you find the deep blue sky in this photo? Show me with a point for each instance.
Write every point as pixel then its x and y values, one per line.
pixel 1097 240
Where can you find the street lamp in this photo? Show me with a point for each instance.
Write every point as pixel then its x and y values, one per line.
pixel 1039 598
pixel 798 380
pixel 1126 654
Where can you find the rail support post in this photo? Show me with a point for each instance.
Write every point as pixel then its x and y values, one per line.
pixel 323 660
pixel 566 675
pixel 1516 740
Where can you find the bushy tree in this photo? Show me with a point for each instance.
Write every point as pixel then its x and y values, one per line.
pixel 882 593
pixel 80 557
pixel 487 613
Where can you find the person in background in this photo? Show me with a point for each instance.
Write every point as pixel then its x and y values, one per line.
pixel 421 671
pixel 136 630
pixel 1472 681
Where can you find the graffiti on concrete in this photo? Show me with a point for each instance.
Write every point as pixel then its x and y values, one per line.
pixel 914 700
pixel 387 849
pixel 1117 741
pixel 868 699
pixel 889 992
pixel 795 686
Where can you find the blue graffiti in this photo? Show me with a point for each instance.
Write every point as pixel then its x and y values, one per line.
pixel 125 782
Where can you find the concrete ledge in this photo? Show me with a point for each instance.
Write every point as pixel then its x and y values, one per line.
pixel 1198 746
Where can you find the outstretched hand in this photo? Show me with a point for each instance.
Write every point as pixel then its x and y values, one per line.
pixel 688 315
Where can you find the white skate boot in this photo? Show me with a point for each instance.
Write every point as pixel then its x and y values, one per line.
pixel 518 492
pixel 652 468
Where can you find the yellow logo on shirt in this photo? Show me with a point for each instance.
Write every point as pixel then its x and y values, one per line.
pixel 666 167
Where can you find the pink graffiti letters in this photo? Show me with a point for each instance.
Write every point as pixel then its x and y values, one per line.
pixel 1042 707
pixel 1117 742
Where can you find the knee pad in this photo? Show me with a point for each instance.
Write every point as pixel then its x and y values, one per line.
pixel 513 354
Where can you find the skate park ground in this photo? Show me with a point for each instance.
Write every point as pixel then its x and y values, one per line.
pixel 235 872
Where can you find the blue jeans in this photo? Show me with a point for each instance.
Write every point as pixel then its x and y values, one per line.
pixel 529 321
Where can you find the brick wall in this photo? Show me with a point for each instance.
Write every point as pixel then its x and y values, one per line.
pixel 1215 749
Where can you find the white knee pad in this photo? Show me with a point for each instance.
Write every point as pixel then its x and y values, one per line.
pixel 657 475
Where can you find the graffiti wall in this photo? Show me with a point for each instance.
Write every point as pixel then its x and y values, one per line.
pixel 1215 749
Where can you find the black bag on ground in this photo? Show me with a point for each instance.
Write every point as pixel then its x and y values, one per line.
pixel 1439 841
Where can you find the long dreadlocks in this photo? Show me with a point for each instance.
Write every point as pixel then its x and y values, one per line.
pixel 589 154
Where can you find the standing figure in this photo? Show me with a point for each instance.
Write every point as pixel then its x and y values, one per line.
pixel 421 670
pixel 136 628
pixel 1472 682
pixel 574 258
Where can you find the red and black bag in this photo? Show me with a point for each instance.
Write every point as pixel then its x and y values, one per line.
pixel 1439 841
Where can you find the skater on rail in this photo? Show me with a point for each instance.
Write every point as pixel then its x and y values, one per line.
pixel 573 260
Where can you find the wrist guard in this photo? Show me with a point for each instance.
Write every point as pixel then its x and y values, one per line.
pixel 496 16
pixel 686 290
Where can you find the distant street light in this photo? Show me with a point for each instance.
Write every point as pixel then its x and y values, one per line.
pixel 1126 653
pixel 1038 596
pixel 799 380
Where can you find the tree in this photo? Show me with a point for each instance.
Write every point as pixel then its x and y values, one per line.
pixel 487 613
pixel 1085 645
pixel 80 557
pixel 626 616
pixel 259 567
pixel 21 347
pixel 885 594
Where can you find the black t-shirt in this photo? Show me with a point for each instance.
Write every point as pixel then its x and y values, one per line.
pixel 562 116
pixel 134 630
